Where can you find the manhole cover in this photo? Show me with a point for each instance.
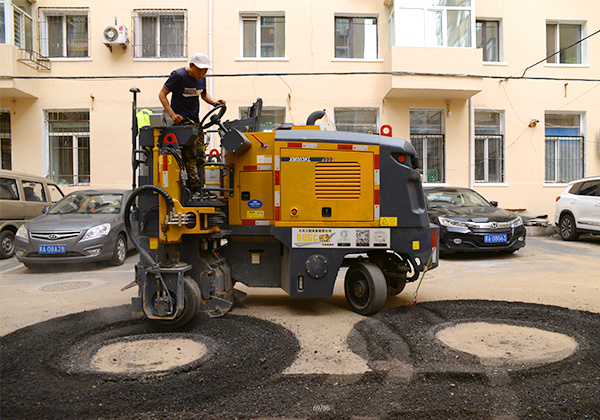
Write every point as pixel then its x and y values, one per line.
pixel 507 343
pixel 140 355
pixel 66 286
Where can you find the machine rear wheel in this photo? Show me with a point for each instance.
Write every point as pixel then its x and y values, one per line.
pixel 365 287
pixel 192 298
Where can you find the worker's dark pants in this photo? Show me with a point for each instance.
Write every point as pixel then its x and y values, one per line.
pixel 193 156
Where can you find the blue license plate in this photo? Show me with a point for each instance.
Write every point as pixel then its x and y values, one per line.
pixel 52 249
pixel 495 239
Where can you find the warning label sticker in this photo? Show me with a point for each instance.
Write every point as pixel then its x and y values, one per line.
pixel 340 238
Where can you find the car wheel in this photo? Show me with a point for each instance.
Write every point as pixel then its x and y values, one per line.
pixel 7 244
pixel 365 287
pixel 120 251
pixel 567 228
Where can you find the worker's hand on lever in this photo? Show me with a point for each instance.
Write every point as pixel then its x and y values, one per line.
pixel 176 118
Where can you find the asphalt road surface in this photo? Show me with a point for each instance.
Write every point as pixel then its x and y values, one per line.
pixel 532 320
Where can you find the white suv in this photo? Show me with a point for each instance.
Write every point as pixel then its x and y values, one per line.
pixel 578 208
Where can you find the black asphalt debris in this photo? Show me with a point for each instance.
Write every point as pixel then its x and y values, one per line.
pixel 413 375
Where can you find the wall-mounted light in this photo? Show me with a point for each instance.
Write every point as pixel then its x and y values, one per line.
pixel 533 123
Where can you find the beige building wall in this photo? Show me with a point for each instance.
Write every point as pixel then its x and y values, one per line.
pixel 309 50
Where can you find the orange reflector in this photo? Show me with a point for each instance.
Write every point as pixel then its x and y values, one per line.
pixel 401 158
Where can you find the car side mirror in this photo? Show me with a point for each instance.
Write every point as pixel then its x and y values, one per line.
pixel 494 203
pixel 45 210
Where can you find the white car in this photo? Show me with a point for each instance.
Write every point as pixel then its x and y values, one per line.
pixel 578 208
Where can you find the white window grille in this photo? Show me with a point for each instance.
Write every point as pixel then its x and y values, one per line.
pixel 69 146
pixel 427 137
pixel 564 147
pixel 64 32
pixel 160 33
pixel 489 147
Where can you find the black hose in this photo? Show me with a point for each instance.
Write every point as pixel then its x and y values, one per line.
pixel 145 255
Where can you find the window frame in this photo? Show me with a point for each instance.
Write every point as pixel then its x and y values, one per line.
pixel 352 17
pixel 265 120
pixel 43 35
pixel 554 61
pixel 257 17
pixel 424 135
pixel 374 128
pixel 137 35
pixel 557 138
pixel 76 135
pixel 6 141
pixel 484 23
pixel 500 134
pixel 420 14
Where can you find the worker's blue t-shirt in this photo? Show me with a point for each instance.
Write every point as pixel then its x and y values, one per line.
pixel 185 91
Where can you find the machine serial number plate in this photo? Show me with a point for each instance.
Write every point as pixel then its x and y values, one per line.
pixel 494 239
pixel 52 249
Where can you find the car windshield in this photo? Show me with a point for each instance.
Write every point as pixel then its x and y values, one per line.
pixel 88 204
pixel 456 198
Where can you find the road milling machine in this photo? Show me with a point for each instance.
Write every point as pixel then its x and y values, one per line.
pixel 286 208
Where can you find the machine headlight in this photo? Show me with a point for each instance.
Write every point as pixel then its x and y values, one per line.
pixel 22 233
pixel 445 221
pixel 97 231
pixel 516 222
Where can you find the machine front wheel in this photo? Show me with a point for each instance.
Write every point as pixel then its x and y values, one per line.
pixel 365 287
pixel 192 299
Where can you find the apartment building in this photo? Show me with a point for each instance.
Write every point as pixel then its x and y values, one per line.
pixel 474 85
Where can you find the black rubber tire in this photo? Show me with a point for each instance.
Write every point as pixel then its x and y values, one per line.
pixel 365 287
pixel 7 244
pixel 119 251
pixel 567 229
pixel 192 299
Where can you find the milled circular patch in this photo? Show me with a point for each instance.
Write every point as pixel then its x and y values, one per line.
pixel 510 344
pixel 140 354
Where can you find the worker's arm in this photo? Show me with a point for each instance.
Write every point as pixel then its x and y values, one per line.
pixel 209 100
pixel 162 96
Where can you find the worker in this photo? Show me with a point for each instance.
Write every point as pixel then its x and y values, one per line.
pixel 185 85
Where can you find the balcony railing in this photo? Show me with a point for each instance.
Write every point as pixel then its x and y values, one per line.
pixel 33 59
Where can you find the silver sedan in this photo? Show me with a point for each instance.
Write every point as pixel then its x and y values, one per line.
pixel 83 226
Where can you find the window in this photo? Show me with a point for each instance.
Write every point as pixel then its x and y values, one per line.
pixel 69 146
pixel 270 118
pixel 444 23
pixel 2 25
pixel 559 36
pixel 564 147
pixel 34 191
pixel 64 32
pixel 489 147
pixel 160 33
pixel 5 138
pixel 427 137
pixel 356 37
pixel 23 25
pixel 488 39
pixel 357 120
pixel 263 36
pixel 8 189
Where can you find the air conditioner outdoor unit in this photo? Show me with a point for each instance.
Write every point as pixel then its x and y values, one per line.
pixel 114 35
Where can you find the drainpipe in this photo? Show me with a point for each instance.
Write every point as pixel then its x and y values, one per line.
pixel 471 144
